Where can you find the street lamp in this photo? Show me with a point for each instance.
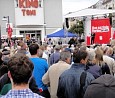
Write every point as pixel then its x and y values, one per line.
pixel 4 18
pixel 8 29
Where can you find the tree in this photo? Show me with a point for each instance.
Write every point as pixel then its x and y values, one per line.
pixel 77 28
pixel 110 16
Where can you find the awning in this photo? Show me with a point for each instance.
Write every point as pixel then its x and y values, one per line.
pixel 89 12
pixel 62 33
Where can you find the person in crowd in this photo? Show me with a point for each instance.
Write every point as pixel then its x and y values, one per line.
pixel 110 61
pixel 102 87
pixel 110 52
pixel 83 48
pixel 40 53
pixel 71 41
pixel 23 48
pixel 100 62
pixel 60 41
pixel 54 58
pixel 40 68
pixel 49 42
pixel 5 56
pixel 112 42
pixel 1 61
pixel 20 72
pixel 5 80
pixel 92 68
pixel 51 77
pixel 113 56
pixel 74 81
pixel 45 52
pixel 92 38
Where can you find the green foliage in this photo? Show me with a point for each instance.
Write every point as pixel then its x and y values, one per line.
pixel 77 28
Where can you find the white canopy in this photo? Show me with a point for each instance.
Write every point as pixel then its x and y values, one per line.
pixel 89 12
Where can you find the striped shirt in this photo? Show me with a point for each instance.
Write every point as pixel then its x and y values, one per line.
pixel 25 93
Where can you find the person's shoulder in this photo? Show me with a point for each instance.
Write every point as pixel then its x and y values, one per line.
pixel 90 76
pixel 37 96
pixel 65 73
pixel 43 60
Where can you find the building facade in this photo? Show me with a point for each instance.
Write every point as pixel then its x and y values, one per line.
pixel 104 4
pixel 31 18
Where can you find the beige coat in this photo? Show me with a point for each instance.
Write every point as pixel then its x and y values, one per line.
pixel 110 62
pixel 52 76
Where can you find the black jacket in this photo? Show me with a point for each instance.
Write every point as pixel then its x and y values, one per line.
pixel 32 84
pixel 102 87
pixel 69 82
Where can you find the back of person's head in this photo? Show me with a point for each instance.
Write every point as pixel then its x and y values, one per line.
pixel 20 67
pixel 45 45
pixel 42 47
pixel 80 55
pixel 110 51
pixel 40 53
pixel 83 48
pixel 68 50
pixel 99 54
pixel 91 55
pixel 22 45
pixel 5 52
pixel 57 47
pixel 33 49
pixel 65 56
pixel 102 87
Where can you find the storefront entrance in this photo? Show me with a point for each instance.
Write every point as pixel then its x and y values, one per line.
pixel 34 35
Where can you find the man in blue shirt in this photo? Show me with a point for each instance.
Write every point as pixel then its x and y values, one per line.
pixel 20 71
pixel 40 68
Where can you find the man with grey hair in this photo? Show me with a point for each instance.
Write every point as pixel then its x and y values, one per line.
pixel 52 75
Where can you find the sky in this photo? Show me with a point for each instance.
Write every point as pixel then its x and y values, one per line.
pixel 75 5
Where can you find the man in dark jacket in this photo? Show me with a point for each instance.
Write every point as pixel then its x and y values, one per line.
pixel 32 84
pixel 92 38
pixel 102 87
pixel 69 81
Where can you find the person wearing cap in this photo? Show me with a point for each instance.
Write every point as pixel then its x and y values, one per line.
pixel 102 87
pixel 6 56
pixel 54 58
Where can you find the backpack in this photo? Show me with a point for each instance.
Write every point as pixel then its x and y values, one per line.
pixel 105 69
pixel 82 84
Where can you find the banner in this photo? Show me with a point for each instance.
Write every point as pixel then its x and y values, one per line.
pixel 9 29
pixel 102 30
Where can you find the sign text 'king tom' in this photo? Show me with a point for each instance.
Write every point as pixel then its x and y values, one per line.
pixel 28 7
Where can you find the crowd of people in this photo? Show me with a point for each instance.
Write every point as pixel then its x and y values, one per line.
pixel 72 70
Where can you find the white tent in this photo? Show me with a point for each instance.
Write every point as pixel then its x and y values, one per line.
pixel 89 12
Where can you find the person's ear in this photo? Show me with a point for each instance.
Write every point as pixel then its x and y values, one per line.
pixel 9 74
pixel 82 61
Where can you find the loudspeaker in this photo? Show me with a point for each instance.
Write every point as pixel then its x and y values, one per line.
pixel 66 21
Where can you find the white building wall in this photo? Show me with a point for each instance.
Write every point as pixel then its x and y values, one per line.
pixel 50 14
pixel 6 9
pixel 38 19
pixel 87 28
pixel 53 15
